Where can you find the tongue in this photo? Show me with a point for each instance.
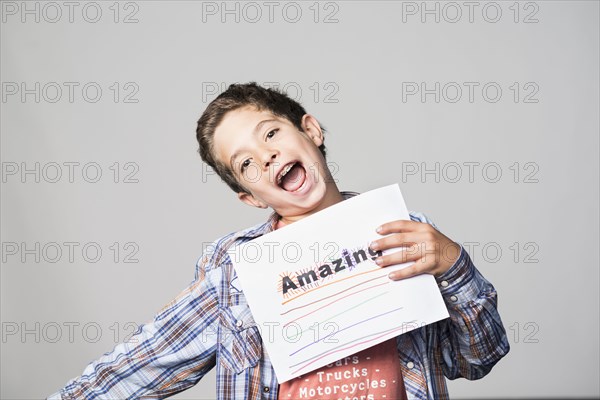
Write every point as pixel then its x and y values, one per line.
pixel 294 178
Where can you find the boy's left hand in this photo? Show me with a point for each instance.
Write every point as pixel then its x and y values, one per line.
pixel 432 252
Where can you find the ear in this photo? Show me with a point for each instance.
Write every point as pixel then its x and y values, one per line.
pixel 312 128
pixel 251 200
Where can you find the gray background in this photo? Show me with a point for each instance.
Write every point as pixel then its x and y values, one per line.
pixel 360 61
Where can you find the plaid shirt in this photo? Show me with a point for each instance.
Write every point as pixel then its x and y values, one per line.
pixel 209 324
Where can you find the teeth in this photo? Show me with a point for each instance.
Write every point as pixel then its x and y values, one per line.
pixel 284 172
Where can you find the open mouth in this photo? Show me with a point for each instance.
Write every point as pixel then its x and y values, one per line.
pixel 291 177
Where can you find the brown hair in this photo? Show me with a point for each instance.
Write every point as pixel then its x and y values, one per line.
pixel 236 96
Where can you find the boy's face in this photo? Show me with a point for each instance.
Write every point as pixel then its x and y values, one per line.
pixel 279 165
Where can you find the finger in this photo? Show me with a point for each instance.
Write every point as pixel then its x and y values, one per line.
pixel 399 226
pixel 408 272
pixel 411 253
pixel 397 240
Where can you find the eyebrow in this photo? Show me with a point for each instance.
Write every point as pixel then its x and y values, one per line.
pixel 255 132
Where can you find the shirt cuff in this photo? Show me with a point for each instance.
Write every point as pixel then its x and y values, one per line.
pixel 459 284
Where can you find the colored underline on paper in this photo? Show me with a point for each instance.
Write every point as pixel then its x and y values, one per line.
pixel 335 301
pixel 330 283
pixel 333 295
pixel 340 313
pixel 385 332
pixel 348 327
pixel 337 349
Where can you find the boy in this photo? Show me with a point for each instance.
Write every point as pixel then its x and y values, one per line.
pixel 271 153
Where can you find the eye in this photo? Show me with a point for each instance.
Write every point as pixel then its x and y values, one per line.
pixel 245 164
pixel 271 133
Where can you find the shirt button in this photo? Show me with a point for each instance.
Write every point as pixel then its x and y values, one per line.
pixel 239 323
pixel 410 365
pixel 454 298
pixel 444 283
pixel 266 389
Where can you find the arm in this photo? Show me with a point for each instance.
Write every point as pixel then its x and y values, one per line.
pixel 473 339
pixel 165 356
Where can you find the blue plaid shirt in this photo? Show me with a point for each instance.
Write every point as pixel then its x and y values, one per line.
pixel 210 325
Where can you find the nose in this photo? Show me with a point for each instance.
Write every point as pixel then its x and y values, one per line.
pixel 269 157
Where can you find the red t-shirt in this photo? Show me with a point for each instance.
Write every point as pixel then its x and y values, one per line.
pixel 371 374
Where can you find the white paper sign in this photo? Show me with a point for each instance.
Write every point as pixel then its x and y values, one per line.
pixel 316 293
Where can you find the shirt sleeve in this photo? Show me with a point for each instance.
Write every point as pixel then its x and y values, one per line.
pixel 163 357
pixel 473 339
